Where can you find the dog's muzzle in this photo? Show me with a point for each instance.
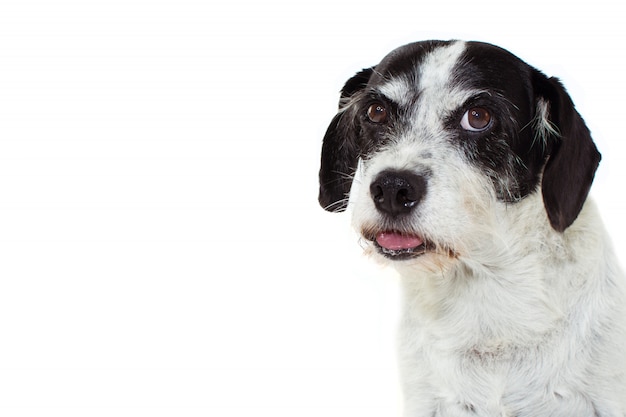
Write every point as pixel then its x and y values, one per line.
pixel 396 194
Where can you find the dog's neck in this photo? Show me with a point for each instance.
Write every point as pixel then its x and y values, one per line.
pixel 466 297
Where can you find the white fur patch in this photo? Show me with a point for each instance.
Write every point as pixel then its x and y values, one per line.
pixel 435 72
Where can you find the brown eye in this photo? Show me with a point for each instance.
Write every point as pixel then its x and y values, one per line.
pixel 476 119
pixel 377 113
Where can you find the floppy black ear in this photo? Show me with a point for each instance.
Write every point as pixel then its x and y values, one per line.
pixel 573 157
pixel 340 150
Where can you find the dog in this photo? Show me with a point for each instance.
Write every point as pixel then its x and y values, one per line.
pixel 468 171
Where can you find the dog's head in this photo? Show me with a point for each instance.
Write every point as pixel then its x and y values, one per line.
pixel 443 131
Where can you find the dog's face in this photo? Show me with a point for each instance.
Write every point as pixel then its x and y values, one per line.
pixel 445 133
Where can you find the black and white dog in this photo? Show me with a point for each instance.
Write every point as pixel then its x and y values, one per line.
pixel 469 170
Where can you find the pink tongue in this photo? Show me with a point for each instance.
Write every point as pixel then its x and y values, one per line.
pixel 397 241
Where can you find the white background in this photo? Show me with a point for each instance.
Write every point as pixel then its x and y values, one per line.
pixel 161 248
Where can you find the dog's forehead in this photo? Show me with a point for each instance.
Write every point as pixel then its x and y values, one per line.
pixel 408 71
pixel 456 68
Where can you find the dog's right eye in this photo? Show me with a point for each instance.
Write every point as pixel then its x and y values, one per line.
pixel 377 113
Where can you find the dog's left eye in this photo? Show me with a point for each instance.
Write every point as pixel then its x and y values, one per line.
pixel 476 119
pixel 377 113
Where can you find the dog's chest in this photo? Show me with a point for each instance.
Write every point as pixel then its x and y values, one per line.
pixel 493 379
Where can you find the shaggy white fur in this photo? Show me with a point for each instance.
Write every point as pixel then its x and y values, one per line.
pixel 504 314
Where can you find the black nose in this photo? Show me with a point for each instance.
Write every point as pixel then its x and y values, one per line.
pixel 397 192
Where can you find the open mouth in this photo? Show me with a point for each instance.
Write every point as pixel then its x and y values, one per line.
pixel 398 246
